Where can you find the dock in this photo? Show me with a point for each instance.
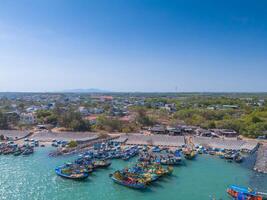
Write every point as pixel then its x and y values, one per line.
pixel 261 162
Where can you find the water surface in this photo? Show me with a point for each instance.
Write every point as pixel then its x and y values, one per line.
pixel 33 177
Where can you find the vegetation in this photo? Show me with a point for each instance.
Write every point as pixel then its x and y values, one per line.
pixel 72 144
pixel 3 121
pixel 73 121
pixel 239 112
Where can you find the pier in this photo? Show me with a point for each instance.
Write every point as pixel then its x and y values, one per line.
pixel 261 162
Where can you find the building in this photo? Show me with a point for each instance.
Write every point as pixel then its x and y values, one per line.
pixel 158 129
pixel 225 132
pixel 28 118
pixel 174 130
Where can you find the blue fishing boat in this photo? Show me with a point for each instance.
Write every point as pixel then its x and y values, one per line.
pixel 243 193
pixel 27 151
pixel 119 178
pixel 68 172
pixel 156 149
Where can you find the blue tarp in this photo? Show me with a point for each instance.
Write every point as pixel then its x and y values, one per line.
pixel 243 190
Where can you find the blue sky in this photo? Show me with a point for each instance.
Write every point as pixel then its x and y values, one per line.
pixel 133 45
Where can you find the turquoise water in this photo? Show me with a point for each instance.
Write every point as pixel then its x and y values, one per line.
pixel 33 177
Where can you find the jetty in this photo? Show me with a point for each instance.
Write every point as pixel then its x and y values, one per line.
pixel 261 161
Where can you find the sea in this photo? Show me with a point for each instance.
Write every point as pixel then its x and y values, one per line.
pixel 205 178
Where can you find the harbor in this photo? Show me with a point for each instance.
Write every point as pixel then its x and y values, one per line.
pixel 198 179
pixel 120 163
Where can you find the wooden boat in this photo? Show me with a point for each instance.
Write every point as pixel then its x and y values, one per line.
pixel 8 151
pixel 171 161
pixel 27 151
pixel 243 193
pixel 190 154
pixel 69 173
pixel 238 159
pixel 101 163
pixel 169 170
pixel 119 178
pixel 139 172
pixel 156 149
pixel 17 152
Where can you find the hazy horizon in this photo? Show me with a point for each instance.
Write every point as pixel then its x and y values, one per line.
pixel 133 46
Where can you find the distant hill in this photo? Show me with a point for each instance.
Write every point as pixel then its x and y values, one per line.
pixel 90 90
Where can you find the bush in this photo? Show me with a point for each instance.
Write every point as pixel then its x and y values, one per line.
pixel 73 144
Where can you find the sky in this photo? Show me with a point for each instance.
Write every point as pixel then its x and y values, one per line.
pixel 133 45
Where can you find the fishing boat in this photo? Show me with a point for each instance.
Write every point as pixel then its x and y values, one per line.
pixel 156 149
pixel 17 152
pixel 189 154
pixel 101 163
pixel 27 151
pixel 242 193
pixel 238 158
pixel 121 179
pixel 139 172
pixel 67 171
pixel 171 161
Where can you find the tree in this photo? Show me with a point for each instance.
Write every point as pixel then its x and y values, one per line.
pixel 73 120
pixel 3 121
pixel 142 118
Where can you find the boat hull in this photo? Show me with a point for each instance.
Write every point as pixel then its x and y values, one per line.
pixel 134 186
pixel 59 173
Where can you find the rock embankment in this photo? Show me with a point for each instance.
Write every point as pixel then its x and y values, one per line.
pixel 261 162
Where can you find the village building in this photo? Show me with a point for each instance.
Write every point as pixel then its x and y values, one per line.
pixel 28 118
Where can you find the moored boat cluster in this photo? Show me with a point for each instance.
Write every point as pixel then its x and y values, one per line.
pixel 140 175
pixel 149 167
pixel 11 148
pixel 153 162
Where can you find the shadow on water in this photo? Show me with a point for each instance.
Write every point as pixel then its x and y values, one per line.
pixel 156 185
pixel 147 190
pixel 249 161
pixel 257 181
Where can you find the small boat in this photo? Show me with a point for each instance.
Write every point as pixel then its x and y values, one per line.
pixel 101 163
pixel 190 154
pixel 156 149
pixel 238 159
pixel 17 153
pixel 27 151
pixel 171 161
pixel 119 178
pixel 169 170
pixel 67 172
pixel 243 193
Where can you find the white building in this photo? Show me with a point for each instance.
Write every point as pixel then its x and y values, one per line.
pixel 28 118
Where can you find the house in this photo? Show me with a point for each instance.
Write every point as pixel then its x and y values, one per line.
pixel 230 106
pixel 174 130
pixel 158 129
pixel 28 118
pixel 225 132
pixel 83 110
pixel 92 119
pixel 96 110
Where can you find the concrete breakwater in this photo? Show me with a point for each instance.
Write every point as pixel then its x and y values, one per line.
pixel 261 162
pixel 177 141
